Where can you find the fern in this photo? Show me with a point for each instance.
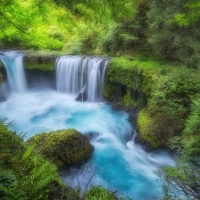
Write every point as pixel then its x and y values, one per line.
pixel 28 152
pixel 11 193
pixel 35 184
pixel 7 179
pixel 8 187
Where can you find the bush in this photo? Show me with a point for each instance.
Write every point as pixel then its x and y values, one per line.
pixel 98 193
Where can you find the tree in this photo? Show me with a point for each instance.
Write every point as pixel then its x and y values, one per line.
pixel 181 181
pixel 173 34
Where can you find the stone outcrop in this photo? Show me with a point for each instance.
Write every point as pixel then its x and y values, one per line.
pixel 63 147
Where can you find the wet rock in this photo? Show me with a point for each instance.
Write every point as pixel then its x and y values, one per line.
pixel 82 96
pixel 92 135
pixel 144 144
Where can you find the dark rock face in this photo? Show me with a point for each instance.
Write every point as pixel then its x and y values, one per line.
pixel 144 144
pixel 82 96
pixel 3 92
pixel 63 147
pixel 92 135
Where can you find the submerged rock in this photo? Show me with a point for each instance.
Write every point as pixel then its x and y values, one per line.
pixel 82 96
pixel 63 147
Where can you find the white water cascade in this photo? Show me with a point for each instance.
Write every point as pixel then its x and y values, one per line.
pixel 117 163
pixel 13 62
pixel 77 74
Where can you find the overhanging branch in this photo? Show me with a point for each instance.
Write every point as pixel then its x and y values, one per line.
pixel 17 27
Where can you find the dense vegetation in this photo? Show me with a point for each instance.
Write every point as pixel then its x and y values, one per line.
pixel 164 29
pixel 157 43
pixel 26 175
pixel 167 99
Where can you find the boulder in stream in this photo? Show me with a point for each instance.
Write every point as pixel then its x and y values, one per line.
pixel 63 147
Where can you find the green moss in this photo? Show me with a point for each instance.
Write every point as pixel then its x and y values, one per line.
pixel 99 193
pixel 129 99
pixel 41 60
pixel 26 175
pixel 42 63
pixel 161 91
pixel 10 142
pixel 63 147
pixel 145 125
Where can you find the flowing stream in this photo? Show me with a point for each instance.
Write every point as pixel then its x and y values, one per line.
pixel 117 163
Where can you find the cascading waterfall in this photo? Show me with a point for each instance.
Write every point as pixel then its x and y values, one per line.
pixel 117 162
pixel 13 62
pixel 77 74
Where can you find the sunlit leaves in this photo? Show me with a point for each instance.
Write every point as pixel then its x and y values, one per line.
pixel 190 14
pixel 174 30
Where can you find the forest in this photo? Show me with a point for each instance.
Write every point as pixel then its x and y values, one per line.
pixel 157 41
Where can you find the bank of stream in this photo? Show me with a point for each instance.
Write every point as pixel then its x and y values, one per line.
pixel 118 163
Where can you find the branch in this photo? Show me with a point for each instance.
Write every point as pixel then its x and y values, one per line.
pixel 13 24
pixel 41 2
pixel 2 28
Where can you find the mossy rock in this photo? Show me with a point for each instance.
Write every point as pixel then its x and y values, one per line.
pixel 157 127
pixel 41 60
pixel 63 147
pixel 6 159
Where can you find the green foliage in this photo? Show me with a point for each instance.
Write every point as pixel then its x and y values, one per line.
pixel 31 177
pixel 55 33
pixel 28 29
pixel 180 182
pixel 164 95
pixel 193 123
pixel 188 143
pixel 129 99
pixel 7 179
pixel 10 142
pixel 42 62
pixel 99 193
pixel 165 29
pixel 190 14
pixel 115 8
pixel 85 41
pixel 119 36
pixel 8 186
pixel 172 35
pixel 23 175
pixel 42 173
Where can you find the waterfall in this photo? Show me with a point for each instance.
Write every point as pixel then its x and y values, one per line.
pixel 78 75
pixel 13 62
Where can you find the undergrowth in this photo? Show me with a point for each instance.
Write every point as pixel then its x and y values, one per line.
pixel 25 175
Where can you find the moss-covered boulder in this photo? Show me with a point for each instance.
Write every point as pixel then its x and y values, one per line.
pixel 63 147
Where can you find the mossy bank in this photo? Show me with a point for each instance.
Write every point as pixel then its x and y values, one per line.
pixel 26 175
pixel 161 93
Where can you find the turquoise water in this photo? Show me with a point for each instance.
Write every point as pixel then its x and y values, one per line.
pixel 117 162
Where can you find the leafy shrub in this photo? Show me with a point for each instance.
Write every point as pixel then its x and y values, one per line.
pixel 99 193
pixel 172 40
pixel 55 33
pixel 180 182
